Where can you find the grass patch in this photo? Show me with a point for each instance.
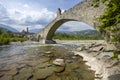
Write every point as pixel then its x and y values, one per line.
pixel 115 55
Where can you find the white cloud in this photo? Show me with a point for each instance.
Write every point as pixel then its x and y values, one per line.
pixel 26 6
pixel 24 17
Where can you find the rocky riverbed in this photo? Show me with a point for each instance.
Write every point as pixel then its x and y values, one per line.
pixel 103 58
pixel 67 60
pixel 28 61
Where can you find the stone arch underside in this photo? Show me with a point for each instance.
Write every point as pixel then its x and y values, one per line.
pixel 51 32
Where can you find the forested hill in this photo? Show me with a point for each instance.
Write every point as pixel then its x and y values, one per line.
pixel 79 35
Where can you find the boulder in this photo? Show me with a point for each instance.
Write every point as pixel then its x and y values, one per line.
pixel 59 62
pixel 43 65
pixel 104 55
pixel 41 74
pixel 96 49
pixel 11 72
pixel 54 77
pixel 6 77
pixel 1 75
pixel 79 48
pixel 24 74
pixel 44 59
pixel 119 56
pixel 110 47
pixel 59 69
pixel 48 52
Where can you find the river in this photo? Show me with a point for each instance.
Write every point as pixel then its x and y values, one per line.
pixel 32 61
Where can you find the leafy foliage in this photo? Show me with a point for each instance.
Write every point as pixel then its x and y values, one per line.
pixel 110 19
pixel 115 55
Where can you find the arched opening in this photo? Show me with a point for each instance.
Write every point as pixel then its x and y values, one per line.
pixel 39 37
pixel 70 26
pixel 57 24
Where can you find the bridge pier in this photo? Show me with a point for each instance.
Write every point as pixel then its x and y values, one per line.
pixel 43 41
pixel 50 42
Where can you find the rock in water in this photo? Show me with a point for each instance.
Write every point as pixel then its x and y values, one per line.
pixel 42 74
pixel 59 69
pixel 59 62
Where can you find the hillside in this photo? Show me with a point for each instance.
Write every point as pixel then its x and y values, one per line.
pixel 8 28
pixel 79 35
pixel 3 30
pixel 87 33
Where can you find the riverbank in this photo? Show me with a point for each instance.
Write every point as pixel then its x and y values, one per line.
pixel 99 56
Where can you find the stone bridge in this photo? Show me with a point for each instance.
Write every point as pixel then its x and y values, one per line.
pixel 83 12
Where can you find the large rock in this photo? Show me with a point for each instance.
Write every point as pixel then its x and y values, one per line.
pixel 43 65
pixel 104 55
pixel 54 77
pixel 6 78
pixel 98 48
pixel 114 77
pixel 44 59
pixel 24 74
pixel 1 75
pixel 119 56
pixel 41 74
pixel 11 72
pixel 59 62
pixel 110 47
pixel 50 42
pixel 59 69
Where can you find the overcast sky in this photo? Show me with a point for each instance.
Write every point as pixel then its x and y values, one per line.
pixel 36 14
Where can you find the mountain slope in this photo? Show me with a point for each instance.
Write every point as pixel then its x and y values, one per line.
pixel 79 35
pixel 87 32
pixel 8 27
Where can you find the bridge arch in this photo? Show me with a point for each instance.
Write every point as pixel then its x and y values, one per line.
pixel 83 12
pixel 56 26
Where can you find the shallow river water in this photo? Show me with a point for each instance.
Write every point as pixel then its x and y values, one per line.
pixel 31 61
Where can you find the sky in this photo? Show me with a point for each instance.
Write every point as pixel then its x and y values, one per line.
pixel 36 14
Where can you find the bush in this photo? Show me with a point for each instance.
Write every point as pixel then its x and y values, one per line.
pixel 110 19
pixel 115 55
pixel 4 40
